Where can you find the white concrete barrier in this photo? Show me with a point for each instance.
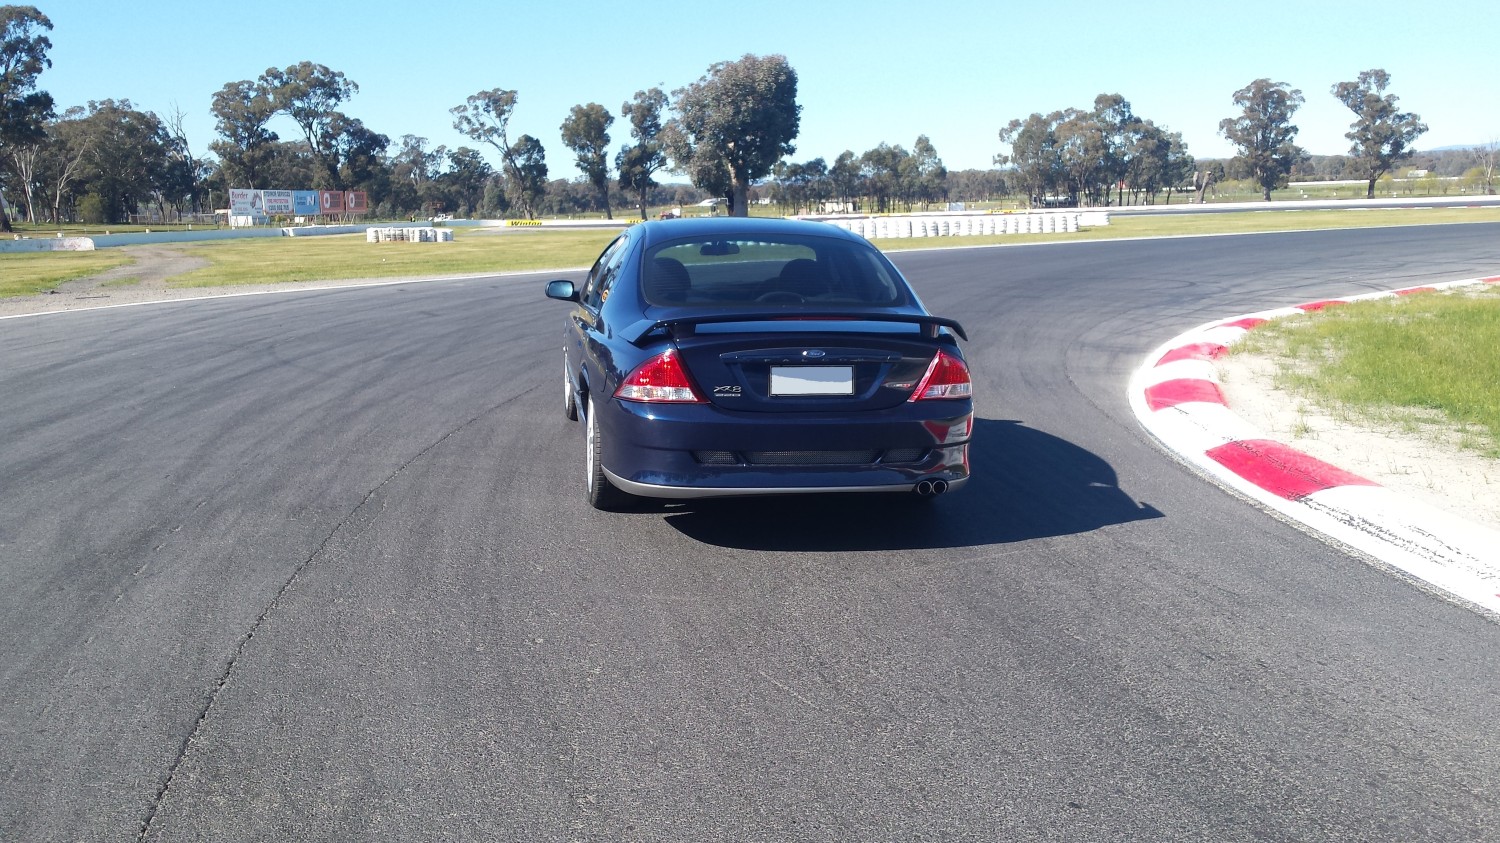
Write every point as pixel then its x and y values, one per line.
pixel 408 235
pixel 969 225
pixel 47 244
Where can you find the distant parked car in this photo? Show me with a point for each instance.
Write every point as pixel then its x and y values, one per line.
pixel 730 356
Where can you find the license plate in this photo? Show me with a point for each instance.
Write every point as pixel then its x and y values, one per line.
pixel 812 380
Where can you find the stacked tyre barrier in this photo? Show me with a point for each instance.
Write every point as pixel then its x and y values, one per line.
pixel 408 235
pixel 873 228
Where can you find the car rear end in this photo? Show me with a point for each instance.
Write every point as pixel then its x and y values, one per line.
pixel 782 365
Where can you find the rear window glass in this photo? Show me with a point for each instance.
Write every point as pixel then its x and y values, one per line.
pixel 818 271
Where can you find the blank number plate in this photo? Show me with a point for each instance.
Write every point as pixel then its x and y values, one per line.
pixel 812 380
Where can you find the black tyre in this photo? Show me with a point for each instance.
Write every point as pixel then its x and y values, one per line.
pixel 597 488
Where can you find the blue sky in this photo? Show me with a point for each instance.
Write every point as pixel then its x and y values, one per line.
pixel 868 71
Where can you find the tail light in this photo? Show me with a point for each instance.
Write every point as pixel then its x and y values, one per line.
pixel 947 377
pixel 659 380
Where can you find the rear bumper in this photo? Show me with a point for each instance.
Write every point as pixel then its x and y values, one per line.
pixel 655 450
pixel 647 490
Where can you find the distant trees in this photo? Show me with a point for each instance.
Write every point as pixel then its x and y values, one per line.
pixel 526 175
pixel 733 125
pixel 1486 157
pixel 1264 133
pixel 731 133
pixel 586 132
pixel 638 162
pixel 1073 156
pixel 310 94
pixel 23 108
pixel 485 118
pixel 1381 134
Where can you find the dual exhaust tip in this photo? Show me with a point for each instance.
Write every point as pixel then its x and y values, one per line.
pixel 931 488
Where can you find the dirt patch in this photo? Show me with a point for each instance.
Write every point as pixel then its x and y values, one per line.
pixel 1427 465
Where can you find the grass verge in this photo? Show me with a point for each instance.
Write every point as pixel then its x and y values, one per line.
pixel 289 259
pixel 29 273
pixel 344 257
pixel 1421 362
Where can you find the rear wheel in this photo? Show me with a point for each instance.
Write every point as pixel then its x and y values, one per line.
pixel 597 488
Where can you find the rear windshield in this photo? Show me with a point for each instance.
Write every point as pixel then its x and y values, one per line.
pixel 819 271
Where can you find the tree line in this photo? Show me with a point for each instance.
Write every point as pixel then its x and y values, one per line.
pixel 731 133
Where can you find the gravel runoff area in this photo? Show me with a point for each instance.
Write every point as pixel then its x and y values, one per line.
pixel 1428 466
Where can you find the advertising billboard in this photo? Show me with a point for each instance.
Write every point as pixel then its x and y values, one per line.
pixel 356 202
pixel 305 203
pixel 245 202
pixel 277 201
pixel 332 201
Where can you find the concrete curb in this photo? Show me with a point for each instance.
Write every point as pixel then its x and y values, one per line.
pixel 1177 397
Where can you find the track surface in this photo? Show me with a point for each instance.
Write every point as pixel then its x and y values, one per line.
pixel 317 567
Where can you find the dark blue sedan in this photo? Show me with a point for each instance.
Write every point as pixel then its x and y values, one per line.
pixel 726 356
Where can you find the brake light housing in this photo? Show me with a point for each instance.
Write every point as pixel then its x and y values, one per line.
pixel 947 377
pixel 660 380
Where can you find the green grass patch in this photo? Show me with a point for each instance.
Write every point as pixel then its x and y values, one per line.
pixel 291 259
pixel 29 273
pixel 1425 361
pixel 341 257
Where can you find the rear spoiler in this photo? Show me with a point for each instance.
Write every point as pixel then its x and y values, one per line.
pixel 683 326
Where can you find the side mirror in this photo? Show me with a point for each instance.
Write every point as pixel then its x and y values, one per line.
pixel 562 290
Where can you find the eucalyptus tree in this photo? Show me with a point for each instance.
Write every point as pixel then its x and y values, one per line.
pixel 1034 154
pixel 586 132
pixel 845 179
pixel 485 118
pixel 526 174
pixel 638 162
pixel 310 94
pixel 462 186
pixel 880 169
pixel 23 109
pixel 734 124
pixel 1264 133
pixel 1486 156
pixel 801 186
pixel 241 112
pixel 1381 134
pixel 1118 127
pixel 928 176
pixel 126 163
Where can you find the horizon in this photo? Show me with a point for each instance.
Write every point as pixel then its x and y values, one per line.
pixel 958 82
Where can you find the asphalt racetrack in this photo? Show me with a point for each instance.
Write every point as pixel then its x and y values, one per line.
pixel 318 566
